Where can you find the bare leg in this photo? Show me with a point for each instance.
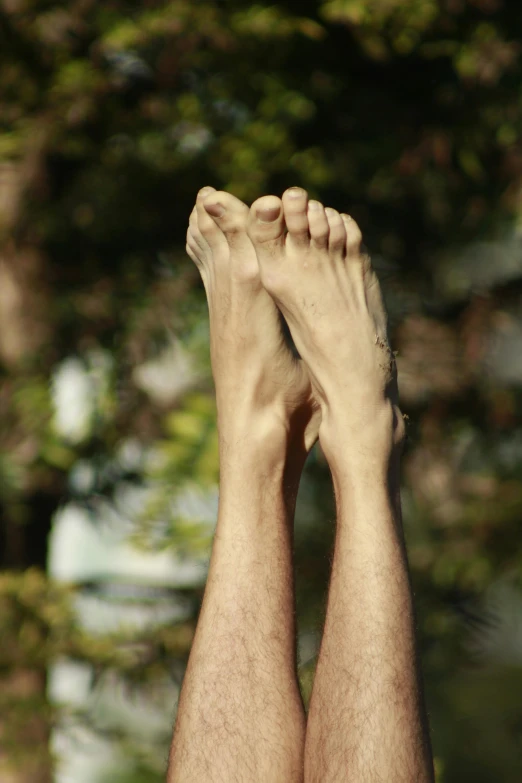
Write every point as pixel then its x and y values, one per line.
pixel 240 716
pixel 366 720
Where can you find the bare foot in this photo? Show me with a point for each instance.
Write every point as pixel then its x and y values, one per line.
pixel 257 378
pixel 331 300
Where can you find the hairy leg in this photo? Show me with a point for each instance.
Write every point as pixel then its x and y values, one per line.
pixel 240 716
pixel 366 719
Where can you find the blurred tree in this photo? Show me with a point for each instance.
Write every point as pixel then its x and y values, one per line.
pixel 406 113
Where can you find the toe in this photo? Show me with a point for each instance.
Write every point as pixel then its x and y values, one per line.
pixel 192 241
pixel 206 225
pixel 193 250
pixel 206 191
pixel 228 213
pixel 337 239
pixel 196 236
pixel 318 223
pixel 361 261
pixel 266 229
pixel 193 221
pixel 295 206
pixel 266 224
pixel 353 236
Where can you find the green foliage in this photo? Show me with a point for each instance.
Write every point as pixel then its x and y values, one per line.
pixel 112 116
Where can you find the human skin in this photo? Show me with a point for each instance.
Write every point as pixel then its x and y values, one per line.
pixel 240 715
pixel 366 720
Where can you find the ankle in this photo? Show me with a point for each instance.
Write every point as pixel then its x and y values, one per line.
pixel 368 435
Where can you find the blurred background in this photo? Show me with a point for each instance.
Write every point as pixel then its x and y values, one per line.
pixel 406 114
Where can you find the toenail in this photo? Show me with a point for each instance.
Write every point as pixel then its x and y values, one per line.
pixel 331 212
pixel 295 192
pixel 206 191
pixel 315 205
pixel 269 214
pixel 216 210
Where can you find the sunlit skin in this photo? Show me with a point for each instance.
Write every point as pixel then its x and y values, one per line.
pixel 240 716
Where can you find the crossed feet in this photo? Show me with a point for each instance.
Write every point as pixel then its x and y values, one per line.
pixel 291 256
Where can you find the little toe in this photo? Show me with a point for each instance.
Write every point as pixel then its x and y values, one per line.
pixel 353 236
pixel 295 207
pixel 318 225
pixel 337 238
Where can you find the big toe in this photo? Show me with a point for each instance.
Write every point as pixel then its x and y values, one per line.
pixel 201 221
pixel 228 213
pixel 266 224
